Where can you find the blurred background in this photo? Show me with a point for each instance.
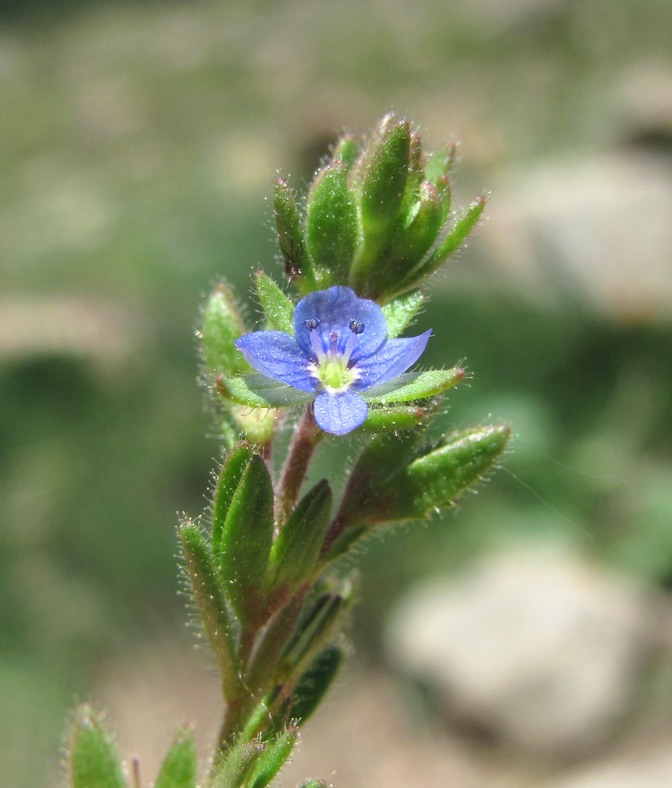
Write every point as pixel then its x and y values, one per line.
pixel 525 639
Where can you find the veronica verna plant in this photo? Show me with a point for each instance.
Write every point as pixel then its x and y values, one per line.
pixel 261 565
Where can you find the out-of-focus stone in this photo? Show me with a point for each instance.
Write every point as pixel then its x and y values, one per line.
pixel 649 768
pixel 538 648
pixel 594 232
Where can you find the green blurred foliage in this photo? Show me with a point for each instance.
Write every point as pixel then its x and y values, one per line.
pixel 138 142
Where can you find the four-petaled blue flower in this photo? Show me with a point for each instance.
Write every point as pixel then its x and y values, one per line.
pixel 339 349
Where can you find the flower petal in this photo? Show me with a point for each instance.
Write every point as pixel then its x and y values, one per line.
pixel 335 308
pixel 340 413
pixel 277 355
pixel 389 362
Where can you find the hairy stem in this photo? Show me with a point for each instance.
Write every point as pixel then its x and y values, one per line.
pixel 306 439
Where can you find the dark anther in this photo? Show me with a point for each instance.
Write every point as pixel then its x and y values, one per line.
pixel 311 324
pixel 356 327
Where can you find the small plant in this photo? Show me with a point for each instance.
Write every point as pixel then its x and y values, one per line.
pixel 262 564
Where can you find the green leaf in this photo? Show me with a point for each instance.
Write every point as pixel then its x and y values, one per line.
pixel 315 630
pixel 258 391
pixel 228 480
pixel 416 238
pixel 278 308
pixel 314 784
pixel 440 163
pixel 94 762
pixel 274 757
pixel 220 327
pixel 381 176
pixel 413 386
pixel 331 225
pixel 297 547
pixel 314 684
pixel 246 541
pixel 235 766
pixel 437 478
pixel 290 232
pixel 394 417
pixel 400 313
pixel 220 626
pixel 178 769
pixel 464 224
pixel 346 150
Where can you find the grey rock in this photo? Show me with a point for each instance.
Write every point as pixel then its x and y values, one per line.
pixel 538 647
pixel 595 232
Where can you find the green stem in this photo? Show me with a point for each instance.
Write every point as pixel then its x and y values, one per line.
pixel 306 438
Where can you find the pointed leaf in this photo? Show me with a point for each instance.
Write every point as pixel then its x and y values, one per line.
pixel 314 684
pixel 277 307
pixel 221 326
pixel 220 626
pixel 258 391
pixel 381 174
pixel 274 757
pixel 227 482
pixel 413 386
pixel 94 762
pixel 235 766
pixel 346 151
pixel 246 540
pixel 315 631
pixel 297 547
pixel 290 232
pixel 464 224
pixel 331 225
pixel 400 313
pixel 437 478
pixel 393 418
pixel 178 769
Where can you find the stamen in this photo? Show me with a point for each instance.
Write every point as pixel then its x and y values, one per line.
pixel 316 344
pixel 356 327
pixel 311 324
pixel 350 345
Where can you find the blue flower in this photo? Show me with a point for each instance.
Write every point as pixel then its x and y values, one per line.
pixel 339 349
